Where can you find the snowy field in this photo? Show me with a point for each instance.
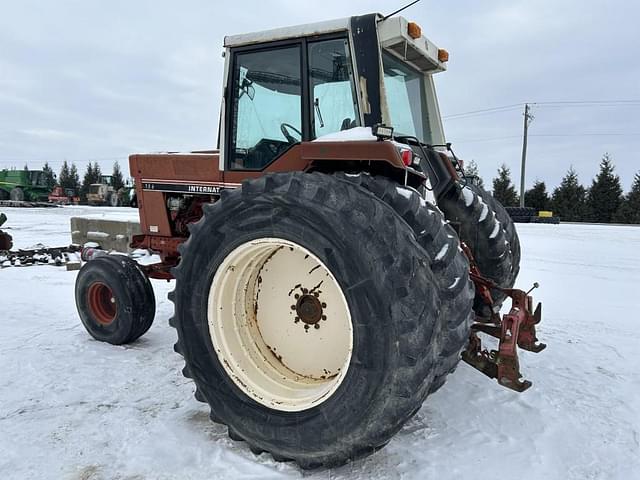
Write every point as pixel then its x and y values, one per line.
pixel 75 408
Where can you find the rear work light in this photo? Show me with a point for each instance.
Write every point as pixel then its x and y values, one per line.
pixel 382 131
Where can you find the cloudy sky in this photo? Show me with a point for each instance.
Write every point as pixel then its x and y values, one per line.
pixel 96 80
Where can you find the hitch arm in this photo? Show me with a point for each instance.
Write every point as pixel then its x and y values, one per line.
pixel 515 329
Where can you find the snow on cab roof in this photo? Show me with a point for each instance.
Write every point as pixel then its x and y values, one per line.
pixel 305 30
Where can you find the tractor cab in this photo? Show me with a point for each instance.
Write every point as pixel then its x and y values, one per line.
pixel 36 178
pixel 322 81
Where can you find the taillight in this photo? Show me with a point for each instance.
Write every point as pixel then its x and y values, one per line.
pixel 407 157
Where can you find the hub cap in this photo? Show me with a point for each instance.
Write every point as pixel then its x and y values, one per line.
pixel 280 324
pixel 102 303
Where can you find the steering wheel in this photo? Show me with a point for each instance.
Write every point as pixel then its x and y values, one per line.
pixel 285 127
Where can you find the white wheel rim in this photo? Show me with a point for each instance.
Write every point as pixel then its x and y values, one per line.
pixel 280 324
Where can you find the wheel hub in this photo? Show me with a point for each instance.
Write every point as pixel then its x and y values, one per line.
pixel 309 308
pixel 102 303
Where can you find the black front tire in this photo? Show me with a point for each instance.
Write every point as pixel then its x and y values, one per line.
pixel 392 295
pixel 488 230
pixel 115 299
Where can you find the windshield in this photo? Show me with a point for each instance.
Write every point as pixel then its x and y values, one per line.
pixel 406 99
pixel 37 178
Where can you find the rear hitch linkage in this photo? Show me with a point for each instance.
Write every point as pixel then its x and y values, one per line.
pixel 515 329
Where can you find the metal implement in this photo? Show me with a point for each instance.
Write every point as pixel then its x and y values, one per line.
pixel 5 239
pixel 515 329
pixel 40 255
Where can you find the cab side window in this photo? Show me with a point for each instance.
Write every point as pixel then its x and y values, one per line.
pixel 333 100
pixel 266 106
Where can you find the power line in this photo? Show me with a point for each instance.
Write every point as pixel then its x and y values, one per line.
pixel 589 134
pixel 588 102
pixel 558 104
pixel 485 111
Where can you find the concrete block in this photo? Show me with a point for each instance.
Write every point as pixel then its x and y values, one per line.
pixel 109 234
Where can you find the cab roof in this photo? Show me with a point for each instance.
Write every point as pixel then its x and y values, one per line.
pixel 305 30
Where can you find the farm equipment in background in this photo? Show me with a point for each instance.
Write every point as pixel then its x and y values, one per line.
pixel 64 196
pixel 532 215
pixel 6 242
pixel 105 194
pixel 327 256
pixel 23 185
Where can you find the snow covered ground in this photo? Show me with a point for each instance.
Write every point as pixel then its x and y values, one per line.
pixel 75 408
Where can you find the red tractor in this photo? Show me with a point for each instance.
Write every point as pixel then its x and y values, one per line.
pixel 64 196
pixel 331 264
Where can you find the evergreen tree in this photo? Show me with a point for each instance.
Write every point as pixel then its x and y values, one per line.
pixel 97 172
pixel 503 189
pixel 605 195
pixel 117 181
pixel 49 176
pixel 629 210
pixel 64 179
pixel 537 197
pixel 473 174
pixel 74 178
pixel 26 167
pixel 568 200
pixel 87 180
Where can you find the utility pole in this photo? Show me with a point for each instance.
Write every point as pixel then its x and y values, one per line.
pixel 528 117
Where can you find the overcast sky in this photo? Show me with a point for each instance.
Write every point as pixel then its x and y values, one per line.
pixel 84 79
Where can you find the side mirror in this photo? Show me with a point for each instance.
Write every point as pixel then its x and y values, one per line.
pixel 247 87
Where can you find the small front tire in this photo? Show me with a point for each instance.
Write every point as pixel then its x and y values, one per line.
pixel 115 299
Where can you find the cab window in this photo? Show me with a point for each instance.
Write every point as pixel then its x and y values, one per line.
pixel 333 100
pixel 266 110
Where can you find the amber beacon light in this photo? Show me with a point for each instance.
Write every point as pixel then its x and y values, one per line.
pixel 414 30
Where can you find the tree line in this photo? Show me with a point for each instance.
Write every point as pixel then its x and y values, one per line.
pixel 602 202
pixel 69 178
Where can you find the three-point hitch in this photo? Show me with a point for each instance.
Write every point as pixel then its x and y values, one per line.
pixel 515 329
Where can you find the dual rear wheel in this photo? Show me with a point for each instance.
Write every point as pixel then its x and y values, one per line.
pixel 311 317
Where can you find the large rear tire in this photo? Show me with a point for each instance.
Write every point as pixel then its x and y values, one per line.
pixel 115 299
pixel 487 229
pixel 319 396
pixel 17 194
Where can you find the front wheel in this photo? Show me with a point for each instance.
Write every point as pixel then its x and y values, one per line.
pixel 485 226
pixel 115 299
pixel 307 316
